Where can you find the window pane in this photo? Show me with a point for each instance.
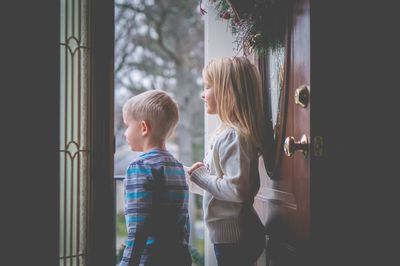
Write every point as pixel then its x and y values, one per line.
pixel 161 47
pixel 74 128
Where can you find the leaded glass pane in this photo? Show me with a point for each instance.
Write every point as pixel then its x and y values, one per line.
pixel 276 59
pixel 75 105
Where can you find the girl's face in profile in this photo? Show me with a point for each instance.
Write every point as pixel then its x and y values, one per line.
pixel 210 101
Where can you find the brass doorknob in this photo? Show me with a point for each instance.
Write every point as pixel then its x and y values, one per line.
pixel 302 96
pixel 291 145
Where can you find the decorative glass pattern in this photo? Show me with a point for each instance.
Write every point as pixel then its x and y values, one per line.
pixel 75 102
pixel 276 59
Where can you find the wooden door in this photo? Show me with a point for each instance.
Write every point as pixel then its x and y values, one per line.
pixel 299 117
pixel 284 200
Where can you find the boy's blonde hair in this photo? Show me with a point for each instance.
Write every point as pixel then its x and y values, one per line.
pixel 239 96
pixel 157 108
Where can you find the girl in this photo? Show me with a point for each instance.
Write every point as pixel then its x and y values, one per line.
pixel 229 175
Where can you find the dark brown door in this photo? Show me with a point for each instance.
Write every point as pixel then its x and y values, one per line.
pixel 299 117
pixel 284 200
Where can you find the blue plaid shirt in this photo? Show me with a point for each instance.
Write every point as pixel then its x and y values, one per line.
pixel 156 206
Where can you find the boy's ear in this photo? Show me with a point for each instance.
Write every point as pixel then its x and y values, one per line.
pixel 144 128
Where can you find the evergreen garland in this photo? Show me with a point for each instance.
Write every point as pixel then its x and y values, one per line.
pixel 197 258
pixel 261 27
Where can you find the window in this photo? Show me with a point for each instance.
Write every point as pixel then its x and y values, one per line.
pixel 75 103
pixel 161 46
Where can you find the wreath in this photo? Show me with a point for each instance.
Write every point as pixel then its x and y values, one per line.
pixel 259 25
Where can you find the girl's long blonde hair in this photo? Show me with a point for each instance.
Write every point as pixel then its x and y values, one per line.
pixel 239 96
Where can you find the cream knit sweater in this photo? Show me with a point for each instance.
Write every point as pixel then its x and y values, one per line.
pixel 229 177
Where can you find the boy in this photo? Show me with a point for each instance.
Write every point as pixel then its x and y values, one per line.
pixel 156 193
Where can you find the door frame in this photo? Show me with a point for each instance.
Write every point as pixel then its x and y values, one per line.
pixel 101 249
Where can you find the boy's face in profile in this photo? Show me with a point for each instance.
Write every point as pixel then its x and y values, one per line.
pixel 133 133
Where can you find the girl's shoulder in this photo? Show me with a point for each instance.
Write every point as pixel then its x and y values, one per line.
pixel 227 135
pixel 230 136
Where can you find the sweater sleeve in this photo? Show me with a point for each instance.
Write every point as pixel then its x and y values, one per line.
pixel 193 187
pixel 233 159
pixel 138 206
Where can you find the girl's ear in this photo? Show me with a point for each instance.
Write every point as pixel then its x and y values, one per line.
pixel 144 128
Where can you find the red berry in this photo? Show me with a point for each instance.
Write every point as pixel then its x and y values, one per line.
pixel 226 15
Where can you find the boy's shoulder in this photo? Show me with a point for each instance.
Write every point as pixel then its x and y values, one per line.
pixel 148 166
pixel 155 158
pixel 136 162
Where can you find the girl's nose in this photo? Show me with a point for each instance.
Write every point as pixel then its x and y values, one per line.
pixel 202 95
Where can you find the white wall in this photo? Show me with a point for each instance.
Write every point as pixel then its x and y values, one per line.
pixel 218 43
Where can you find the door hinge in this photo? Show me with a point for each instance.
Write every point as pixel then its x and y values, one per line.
pixel 114 145
pixel 318 146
